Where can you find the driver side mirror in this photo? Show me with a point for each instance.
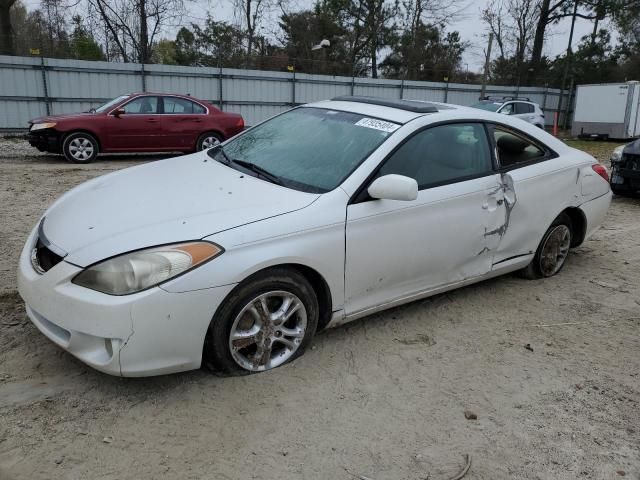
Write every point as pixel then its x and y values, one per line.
pixel 394 187
pixel 119 111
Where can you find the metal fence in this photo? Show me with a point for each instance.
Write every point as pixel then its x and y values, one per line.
pixel 32 87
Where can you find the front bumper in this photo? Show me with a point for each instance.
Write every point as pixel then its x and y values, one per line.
pixel 625 173
pixel 46 140
pixel 148 333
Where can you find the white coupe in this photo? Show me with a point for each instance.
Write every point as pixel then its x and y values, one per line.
pixel 236 256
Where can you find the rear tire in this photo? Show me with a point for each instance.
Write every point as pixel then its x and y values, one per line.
pixel 80 147
pixel 208 140
pixel 265 322
pixel 553 250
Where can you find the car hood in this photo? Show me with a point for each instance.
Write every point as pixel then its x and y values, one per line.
pixel 180 199
pixel 54 118
pixel 632 148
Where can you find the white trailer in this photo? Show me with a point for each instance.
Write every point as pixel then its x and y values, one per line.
pixel 610 110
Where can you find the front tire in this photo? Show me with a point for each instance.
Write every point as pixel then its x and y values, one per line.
pixel 553 250
pixel 80 147
pixel 266 321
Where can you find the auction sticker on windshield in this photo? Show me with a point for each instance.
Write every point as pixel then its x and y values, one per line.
pixel 378 125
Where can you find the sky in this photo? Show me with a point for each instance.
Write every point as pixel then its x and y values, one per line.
pixel 467 22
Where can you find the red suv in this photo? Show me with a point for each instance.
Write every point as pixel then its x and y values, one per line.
pixel 139 122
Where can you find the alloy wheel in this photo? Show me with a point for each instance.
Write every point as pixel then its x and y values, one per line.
pixel 268 331
pixel 81 149
pixel 209 142
pixel 555 250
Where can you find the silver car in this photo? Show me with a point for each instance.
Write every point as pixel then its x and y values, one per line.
pixel 519 107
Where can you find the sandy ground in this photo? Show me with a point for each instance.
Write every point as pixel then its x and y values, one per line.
pixel 382 398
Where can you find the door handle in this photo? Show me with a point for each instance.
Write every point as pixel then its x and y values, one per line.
pixel 152 120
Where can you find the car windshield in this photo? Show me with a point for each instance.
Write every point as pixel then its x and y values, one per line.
pixel 110 103
pixel 309 149
pixel 491 106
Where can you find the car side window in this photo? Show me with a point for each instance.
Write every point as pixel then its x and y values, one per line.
pixel 524 108
pixel 442 154
pixel 514 149
pixel 142 105
pixel 175 105
pixel 507 109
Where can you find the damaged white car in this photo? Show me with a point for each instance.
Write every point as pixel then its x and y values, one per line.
pixel 236 256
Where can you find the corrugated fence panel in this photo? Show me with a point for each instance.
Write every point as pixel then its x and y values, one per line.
pixel 92 80
pixel 256 86
pixel 75 85
pixel 425 91
pixel 15 114
pixel 312 88
pixel 201 83
pixel 254 114
pixel 377 88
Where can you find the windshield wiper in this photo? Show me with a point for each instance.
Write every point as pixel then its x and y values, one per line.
pixel 258 170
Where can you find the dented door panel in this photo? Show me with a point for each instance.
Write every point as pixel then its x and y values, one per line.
pixel 540 192
pixel 396 249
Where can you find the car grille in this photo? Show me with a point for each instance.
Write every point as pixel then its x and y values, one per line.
pixel 44 258
pixel 631 162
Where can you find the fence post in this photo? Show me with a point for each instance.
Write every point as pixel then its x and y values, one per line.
pixel 544 101
pixel 353 84
pixel 446 91
pixel 45 86
pixel 568 105
pixel 402 89
pixel 220 102
pixel 293 87
pixel 144 79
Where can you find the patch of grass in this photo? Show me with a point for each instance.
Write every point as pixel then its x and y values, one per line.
pixel 599 149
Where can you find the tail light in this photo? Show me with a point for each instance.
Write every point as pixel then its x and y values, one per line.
pixel 600 170
pixel 240 124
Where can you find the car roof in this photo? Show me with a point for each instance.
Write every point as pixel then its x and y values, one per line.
pixel 394 110
pixel 162 94
pixel 445 113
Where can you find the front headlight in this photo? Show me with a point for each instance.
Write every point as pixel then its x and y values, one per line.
pixel 616 156
pixel 42 126
pixel 137 271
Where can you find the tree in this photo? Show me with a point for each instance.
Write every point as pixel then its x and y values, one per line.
pixel 551 12
pixel 426 54
pixel 593 61
pixel 250 14
pixel 83 45
pixel 367 27
pixel 133 25
pixel 302 30
pixel 219 43
pixel 511 23
pixel 186 50
pixel 6 30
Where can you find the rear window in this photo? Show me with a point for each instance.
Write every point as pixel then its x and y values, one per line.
pixel 175 105
pixel 524 108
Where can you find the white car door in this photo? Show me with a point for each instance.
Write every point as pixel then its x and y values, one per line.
pixel 543 190
pixel 399 249
pixel 524 111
